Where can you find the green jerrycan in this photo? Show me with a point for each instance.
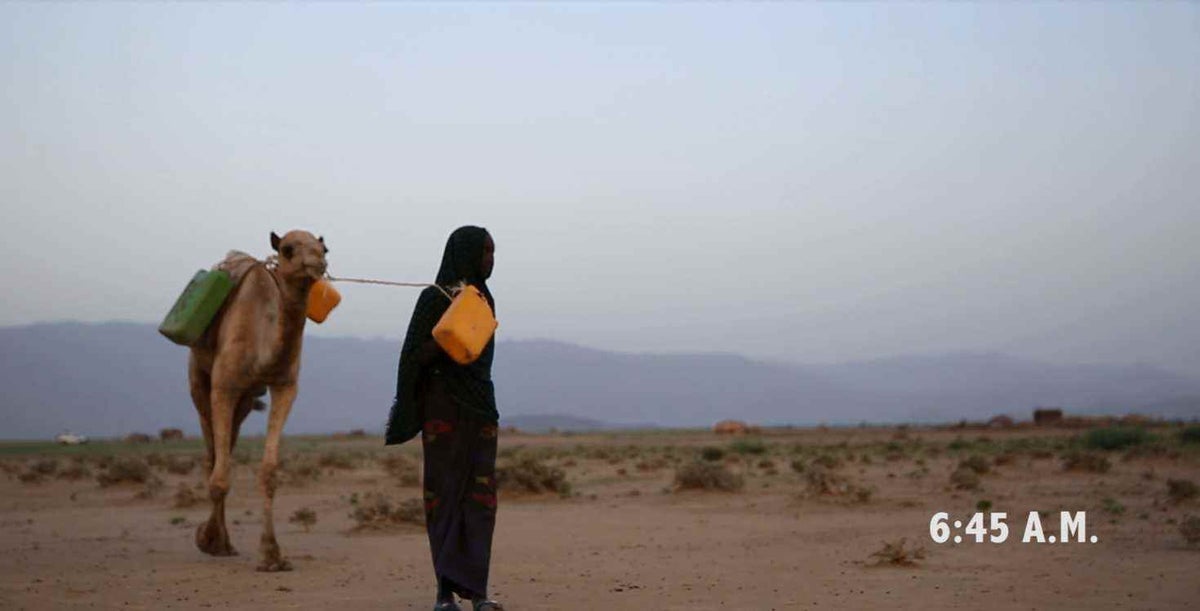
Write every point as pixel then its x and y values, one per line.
pixel 196 307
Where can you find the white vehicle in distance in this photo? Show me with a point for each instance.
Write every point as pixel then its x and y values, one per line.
pixel 70 439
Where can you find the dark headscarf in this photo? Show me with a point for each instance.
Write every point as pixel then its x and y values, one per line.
pixel 470 385
pixel 462 261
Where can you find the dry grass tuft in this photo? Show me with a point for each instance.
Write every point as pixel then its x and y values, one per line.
pixel 401 468
pixel 976 463
pixel 125 470
pixel 179 465
pixel 964 479
pixel 1189 527
pixel 186 497
pixel 702 475
pixel 377 511
pixel 74 470
pixel 1180 490
pixel 305 517
pixel 898 554
pixel 823 481
pixel 1089 462
pixel 530 475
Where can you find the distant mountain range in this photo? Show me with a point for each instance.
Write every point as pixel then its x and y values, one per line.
pixel 114 378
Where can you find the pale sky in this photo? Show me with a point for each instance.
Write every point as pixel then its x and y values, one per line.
pixel 808 182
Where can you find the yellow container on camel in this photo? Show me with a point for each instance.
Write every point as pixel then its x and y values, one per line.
pixel 466 327
pixel 322 299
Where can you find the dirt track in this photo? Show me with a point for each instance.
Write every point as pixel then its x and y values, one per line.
pixel 626 541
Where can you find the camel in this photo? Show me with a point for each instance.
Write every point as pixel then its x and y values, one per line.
pixel 252 345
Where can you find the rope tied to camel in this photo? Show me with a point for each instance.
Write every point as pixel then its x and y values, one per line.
pixel 272 262
pixel 454 290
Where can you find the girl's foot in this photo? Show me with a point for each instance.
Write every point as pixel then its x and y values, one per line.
pixel 481 604
pixel 446 605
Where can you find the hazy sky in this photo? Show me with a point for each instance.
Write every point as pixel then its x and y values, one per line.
pixel 812 182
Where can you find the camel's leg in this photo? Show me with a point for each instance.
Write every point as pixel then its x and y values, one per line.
pixel 200 384
pixel 212 537
pixel 281 405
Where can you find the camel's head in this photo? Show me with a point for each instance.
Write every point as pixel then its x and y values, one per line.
pixel 301 255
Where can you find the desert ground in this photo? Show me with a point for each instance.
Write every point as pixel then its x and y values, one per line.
pixel 777 519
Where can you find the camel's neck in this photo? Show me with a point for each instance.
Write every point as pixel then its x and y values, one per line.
pixel 292 306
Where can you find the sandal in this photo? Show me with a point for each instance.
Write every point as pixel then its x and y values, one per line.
pixel 447 605
pixel 487 605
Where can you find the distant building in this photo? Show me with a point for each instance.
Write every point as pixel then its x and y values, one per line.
pixel 730 427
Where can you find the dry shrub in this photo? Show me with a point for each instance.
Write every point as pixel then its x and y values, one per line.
pixel 376 511
pixel 897 554
pixel 400 467
pixel 823 481
pixel 650 465
pixel 1004 459
pixel 748 446
pixel 798 465
pixel 861 494
pixel 125 470
pixel 9 467
pixel 701 475
pixel 75 470
pixel 529 474
pixel 1180 490
pixel 1090 462
pixel 1115 438
pixel 712 454
pixel 37 471
pixel 1189 527
pixel 829 461
pixel 976 463
pixel 304 517
pixel 1112 506
pixel 179 465
pixel 1190 434
pixel 186 497
pixel 300 470
pixel 151 488
pixel 964 479
pixel 337 460
pixel 44 466
pixel 31 477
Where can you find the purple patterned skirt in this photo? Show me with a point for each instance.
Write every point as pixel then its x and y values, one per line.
pixel 460 491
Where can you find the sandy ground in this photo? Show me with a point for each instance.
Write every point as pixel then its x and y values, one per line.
pixel 626 540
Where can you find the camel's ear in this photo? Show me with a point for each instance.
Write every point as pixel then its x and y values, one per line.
pixel 322 241
pixel 274 242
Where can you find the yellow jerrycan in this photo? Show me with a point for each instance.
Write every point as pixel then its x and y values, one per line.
pixel 466 327
pixel 322 299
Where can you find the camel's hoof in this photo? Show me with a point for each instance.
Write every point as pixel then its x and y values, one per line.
pixel 209 541
pixel 274 566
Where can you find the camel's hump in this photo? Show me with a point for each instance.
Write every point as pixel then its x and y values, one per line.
pixel 236 263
